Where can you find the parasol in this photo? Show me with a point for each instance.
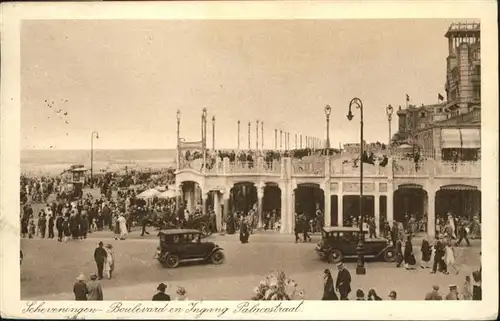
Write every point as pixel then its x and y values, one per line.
pixel 150 193
pixel 168 194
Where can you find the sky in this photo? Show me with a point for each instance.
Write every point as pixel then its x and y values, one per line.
pixel 125 79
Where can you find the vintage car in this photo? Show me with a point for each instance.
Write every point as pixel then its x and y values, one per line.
pixel 186 245
pixel 338 243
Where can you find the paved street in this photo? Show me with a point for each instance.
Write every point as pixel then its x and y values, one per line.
pixel 50 268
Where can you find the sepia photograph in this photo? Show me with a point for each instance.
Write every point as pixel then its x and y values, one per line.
pixel 251 160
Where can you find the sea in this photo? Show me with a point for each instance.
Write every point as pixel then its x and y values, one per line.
pixel 53 161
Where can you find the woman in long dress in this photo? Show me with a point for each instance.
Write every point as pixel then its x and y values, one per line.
pixel 328 287
pixel 123 227
pixel 409 257
pixel 109 264
pixel 450 257
pixel 451 223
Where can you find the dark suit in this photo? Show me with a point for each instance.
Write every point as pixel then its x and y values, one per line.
pixel 161 296
pixel 100 256
pixel 343 283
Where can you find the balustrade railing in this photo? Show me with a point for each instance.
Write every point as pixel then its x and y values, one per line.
pixel 400 167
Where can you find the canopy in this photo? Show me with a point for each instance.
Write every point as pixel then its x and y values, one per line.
pixel 404 146
pixel 160 188
pixel 168 194
pixel 460 138
pixel 150 193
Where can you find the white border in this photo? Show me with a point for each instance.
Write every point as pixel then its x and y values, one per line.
pixel 13 13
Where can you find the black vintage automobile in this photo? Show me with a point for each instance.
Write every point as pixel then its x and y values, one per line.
pixel 186 245
pixel 340 242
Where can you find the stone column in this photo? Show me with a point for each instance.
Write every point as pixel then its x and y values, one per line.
pixel 377 212
pixel 204 198
pixel 390 202
pixel 217 209
pixel 190 200
pixel 327 219
pixel 178 196
pixel 291 211
pixel 340 204
pixel 284 207
pixel 225 198
pixel 431 215
pixel 260 197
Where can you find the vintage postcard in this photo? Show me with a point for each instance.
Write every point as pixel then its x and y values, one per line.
pixel 218 155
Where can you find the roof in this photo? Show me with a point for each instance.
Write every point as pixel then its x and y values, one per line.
pixel 341 229
pixel 178 231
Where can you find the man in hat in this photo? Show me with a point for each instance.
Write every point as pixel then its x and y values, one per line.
pixel 100 256
pixel 94 289
pixel 343 283
pixel 434 294
pixel 80 289
pixel 453 294
pixel 393 295
pixel 161 295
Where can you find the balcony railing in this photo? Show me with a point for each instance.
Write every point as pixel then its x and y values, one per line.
pixel 339 168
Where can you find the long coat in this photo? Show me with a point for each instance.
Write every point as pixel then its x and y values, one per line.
pixel 343 281
pixel 329 290
pixel 408 253
pixel 426 251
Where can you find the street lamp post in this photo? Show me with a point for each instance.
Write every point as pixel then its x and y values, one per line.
pixel 178 139
pixel 204 138
pixel 389 110
pixel 238 135
pixel 92 156
pixel 256 136
pixel 281 139
pixel 249 147
pixel 360 269
pixel 275 139
pixel 213 133
pixel 328 111
pixel 262 135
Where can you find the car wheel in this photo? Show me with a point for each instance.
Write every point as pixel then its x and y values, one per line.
pixel 389 255
pixel 217 257
pixel 171 261
pixel 335 256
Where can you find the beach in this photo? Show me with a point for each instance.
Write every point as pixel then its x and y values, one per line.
pixel 53 161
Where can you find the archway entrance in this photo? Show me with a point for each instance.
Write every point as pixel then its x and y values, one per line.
pixel 243 197
pixel 350 206
pixel 271 206
pixel 410 199
pixel 462 201
pixel 308 198
pixel 191 196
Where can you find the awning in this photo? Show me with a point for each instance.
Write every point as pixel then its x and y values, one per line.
pixel 451 138
pixel 471 138
pixel 459 187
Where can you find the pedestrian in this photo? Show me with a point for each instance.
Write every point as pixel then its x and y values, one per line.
pixel 84 226
pixel 434 294
pixel 31 228
pixel 123 227
pixel 409 257
pixel 305 229
pixel 100 256
pixel 116 224
pixel 109 264
pixel 328 287
pixel 399 252
pixel 161 295
pixel 80 289
pixel 145 221
pixel 372 295
pixel 51 226
pixel 66 229
pixel 453 294
pixel 439 252
pixel 94 289
pixel 393 295
pixel 360 295
pixel 476 286
pixel 343 282
pixel 426 252
pixel 42 224
pixel 59 227
pixel 244 232
pixel 394 232
pixel 462 234
pixel 466 290
pixel 450 258
pixel 297 228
